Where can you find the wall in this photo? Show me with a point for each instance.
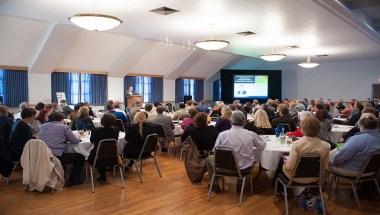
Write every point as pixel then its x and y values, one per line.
pixel 115 88
pixel 345 80
pixel 169 90
pixel 335 80
pixel 39 85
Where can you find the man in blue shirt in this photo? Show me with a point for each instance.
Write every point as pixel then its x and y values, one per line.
pixel 119 115
pixel 350 159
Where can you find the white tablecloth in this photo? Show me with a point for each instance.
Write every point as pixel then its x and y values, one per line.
pixel 96 122
pixel 270 156
pixel 338 131
pixel 179 131
pixel 85 146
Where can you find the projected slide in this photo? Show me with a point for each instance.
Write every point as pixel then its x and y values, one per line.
pixel 250 86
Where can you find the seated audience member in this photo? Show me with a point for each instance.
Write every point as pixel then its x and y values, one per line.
pixel 189 105
pixel 134 109
pixel 189 120
pixel 148 109
pixel 332 111
pixel 217 110
pixel 136 133
pixel 345 113
pixel 5 124
pixel 167 124
pixel 284 118
pixel 74 116
pixel 355 115
pixel 244 143
pixel 325 124
pixel 84 122
pixel 269 110
pixel 90 112
pixel 292 109
pixel 312 106
pixel 356 129
pixel 202 134
pixel 224 122
pixel 21 132
pixel 155 105
pixel 117 108
pixel 260 125
pixel 64 108
pixel 310 143
pixel 169 107
pixel 301 116
pixel 98 134
pixel 203 108
pixel 43 115
pixel 21 107
pixel 300 106
pixel 181 113
pixel 118 115
pixel 339 105
pixel 56 135
pixel 350 159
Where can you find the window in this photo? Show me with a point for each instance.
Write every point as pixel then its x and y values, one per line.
pixel 143 87
pixel 188 87
pixel 80 88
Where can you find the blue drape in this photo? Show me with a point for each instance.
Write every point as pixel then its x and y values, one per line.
pixel 179 90
pixel 198 90
pixel 15 87
pixel 157 89
pixel 98 89
pixel 216 86
pixel 60 82
pixel 129 81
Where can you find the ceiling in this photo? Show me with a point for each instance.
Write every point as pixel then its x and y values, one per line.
pixel 37 34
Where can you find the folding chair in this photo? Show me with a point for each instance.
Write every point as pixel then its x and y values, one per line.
pixel 308 166
pixel 120 125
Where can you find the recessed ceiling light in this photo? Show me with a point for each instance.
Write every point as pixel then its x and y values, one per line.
pixel 246 33
pixel 164 11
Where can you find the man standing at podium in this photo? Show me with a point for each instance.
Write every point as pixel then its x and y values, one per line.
pixel 129 93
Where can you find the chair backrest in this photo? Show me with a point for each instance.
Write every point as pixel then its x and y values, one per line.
pixel 372 165
pixel 225 161
pixel 285 126
pixel 120 125
pixel 106 150
pixel 308 166
pixel 150 145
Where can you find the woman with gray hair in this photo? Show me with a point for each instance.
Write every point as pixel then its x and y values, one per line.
pixel 301 116
pixel 224 123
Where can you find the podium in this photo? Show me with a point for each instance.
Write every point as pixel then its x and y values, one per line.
pixel 131 101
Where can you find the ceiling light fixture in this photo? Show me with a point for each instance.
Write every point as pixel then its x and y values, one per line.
pixel 273 56
pixel 95 22
pixel 211 44
pixel 308 64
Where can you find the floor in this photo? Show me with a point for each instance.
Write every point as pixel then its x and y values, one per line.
pixel 171 194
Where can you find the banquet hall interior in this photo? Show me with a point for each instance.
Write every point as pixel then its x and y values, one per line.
pixel 189 107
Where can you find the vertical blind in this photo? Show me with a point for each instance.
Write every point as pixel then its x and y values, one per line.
pixel 80 87
pixel 13 87
pixel 151 88
pixel 189 87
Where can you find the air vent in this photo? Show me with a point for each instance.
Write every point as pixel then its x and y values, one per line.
pixel 293 47
pixel 322 55
pixel 164 11
pixel 246 33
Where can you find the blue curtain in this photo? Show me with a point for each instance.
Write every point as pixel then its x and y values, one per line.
pixel 98 89
pixel 157 89
pixel 198 90
pixel 15 87
pixel 179 90
pixel 216 90
pixel 129 81
pixel 60 82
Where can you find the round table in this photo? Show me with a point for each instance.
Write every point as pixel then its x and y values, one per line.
pixel 270 156
pixel 85 146
pixel 337 131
